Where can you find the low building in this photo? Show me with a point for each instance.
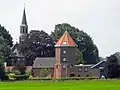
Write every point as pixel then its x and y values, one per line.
pixel 64 63
pixel 100 68
pixel 43 67
pixel 83 70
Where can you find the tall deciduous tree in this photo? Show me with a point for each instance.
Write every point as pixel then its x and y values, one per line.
pixel 82 39
pixel 5 51
pixel 79 57
pixel 7 37
pixel 112 68
pixel 5 43
pixel 40 44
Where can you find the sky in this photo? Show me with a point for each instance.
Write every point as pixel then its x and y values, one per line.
pixel 98 18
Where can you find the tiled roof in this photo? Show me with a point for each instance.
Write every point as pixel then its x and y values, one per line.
pixel 44 62
pixel 66 40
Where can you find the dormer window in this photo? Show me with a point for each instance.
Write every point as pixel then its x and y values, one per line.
pixel 64 43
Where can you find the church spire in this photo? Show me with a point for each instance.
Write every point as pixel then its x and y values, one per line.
pixel 23 28
pixel 24 21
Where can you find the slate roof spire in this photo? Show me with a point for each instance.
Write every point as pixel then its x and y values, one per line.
pixel 24 21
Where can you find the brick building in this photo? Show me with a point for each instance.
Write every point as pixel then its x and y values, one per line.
pixel 64 62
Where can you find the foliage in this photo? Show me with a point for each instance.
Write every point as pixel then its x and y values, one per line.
pixel 112 68
pixel 5 44
pixel 2 72
pixel 7 37
pixel 20 67
pixel 13 76
pixel 45 72
pixel 5 50
pixel 82 39
pixel 21 77
pixel 40 44
pixel 16 72
pixel 79 57
pixel 28 72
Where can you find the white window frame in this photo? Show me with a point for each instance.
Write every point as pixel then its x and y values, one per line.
pixel 64 51
pixel 64 59
pixel 80 69
pixel 86 69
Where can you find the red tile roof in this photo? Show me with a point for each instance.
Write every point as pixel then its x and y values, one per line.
pixel 66 40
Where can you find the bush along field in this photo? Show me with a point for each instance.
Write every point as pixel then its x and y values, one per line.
pixel 62 85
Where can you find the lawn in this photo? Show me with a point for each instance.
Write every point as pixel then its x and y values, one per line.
pixel 62 85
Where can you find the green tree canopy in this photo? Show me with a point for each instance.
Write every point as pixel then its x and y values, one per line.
pixel 82 39
pixel 5 44
pixel 79 57
pixel 40 44
pixel 5 51
pixel 112 68
pixel 7 37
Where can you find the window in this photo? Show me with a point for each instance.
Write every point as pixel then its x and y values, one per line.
pixel 38 42
pixel 64 59
pixel 71 65
pixel 64 43
pixel 86 69
pixel 80 69
pixel 64 66
pixel 64 51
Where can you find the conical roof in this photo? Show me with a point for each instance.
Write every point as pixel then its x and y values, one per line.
pixel 24 21
pixel 66 40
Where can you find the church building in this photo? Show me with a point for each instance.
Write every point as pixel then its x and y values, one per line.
pixel 60 66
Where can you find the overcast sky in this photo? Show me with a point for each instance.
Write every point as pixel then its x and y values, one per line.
pixel 99 18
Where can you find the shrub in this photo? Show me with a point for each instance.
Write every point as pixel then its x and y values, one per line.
pixel 21 77
pixel 11 76
pixel 16 72
pixel 28 72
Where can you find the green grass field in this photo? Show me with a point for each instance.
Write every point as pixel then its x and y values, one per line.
pixel 62 85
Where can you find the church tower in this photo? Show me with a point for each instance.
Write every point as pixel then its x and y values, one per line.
pixel 65 59
pixel 23 29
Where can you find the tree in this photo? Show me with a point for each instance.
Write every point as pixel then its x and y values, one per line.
pixel 5 43
pixel 45 72
pixel 82 39
pixel 112 68
pixel 7 37
pixel 5 51
pixel 40 44
pixel 20 66
pixel 2 72
pixel 79 57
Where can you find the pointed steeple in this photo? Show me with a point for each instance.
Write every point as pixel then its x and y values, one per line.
pixel 23 28
pixel 24 21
